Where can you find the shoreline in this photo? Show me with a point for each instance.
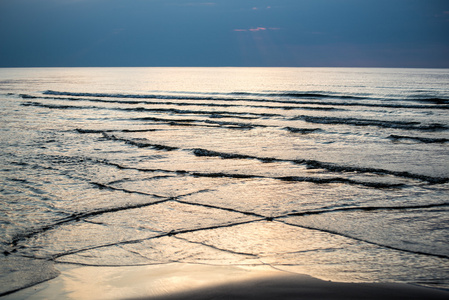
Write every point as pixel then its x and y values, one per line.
pixel 193 281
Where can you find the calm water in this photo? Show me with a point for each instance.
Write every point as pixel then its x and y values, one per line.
pixel 342 174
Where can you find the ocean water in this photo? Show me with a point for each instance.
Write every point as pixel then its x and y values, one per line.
pixel 342 174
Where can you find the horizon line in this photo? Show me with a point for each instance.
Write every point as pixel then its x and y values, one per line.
pixel 336 67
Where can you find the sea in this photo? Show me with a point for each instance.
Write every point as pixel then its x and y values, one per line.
pixel 338 173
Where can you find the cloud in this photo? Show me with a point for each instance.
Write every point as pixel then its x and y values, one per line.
pixel 255 29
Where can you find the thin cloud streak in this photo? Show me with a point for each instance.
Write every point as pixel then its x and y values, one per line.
pixel 255 29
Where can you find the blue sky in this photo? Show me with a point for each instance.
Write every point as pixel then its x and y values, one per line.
pixel 285 33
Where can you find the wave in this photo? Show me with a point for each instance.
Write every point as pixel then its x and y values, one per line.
pixel 132 96
pixel 197 122
pixel 210 153
pixel 292 94
pixel 140 144
pixel 430 99
pixel 58 106
pixel 311 164
pixel 226 99
pixel 277 94
pixel 314 95
pixel 211 113
pixel 113 130
pixel 299 94
pixel 315 180
pixel 407 125
pixel 333 105
pixel 302 130
pixel 419 139
pixel 208 104
pixel 314 164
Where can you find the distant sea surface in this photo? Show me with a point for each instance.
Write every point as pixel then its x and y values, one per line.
pixel 342 174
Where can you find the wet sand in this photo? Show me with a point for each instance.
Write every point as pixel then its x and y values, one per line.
pixel 304 287
pixel 186 281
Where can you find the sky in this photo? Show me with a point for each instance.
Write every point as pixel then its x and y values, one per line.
pixel 216 33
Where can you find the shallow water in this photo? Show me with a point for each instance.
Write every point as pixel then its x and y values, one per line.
pixel 342 174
